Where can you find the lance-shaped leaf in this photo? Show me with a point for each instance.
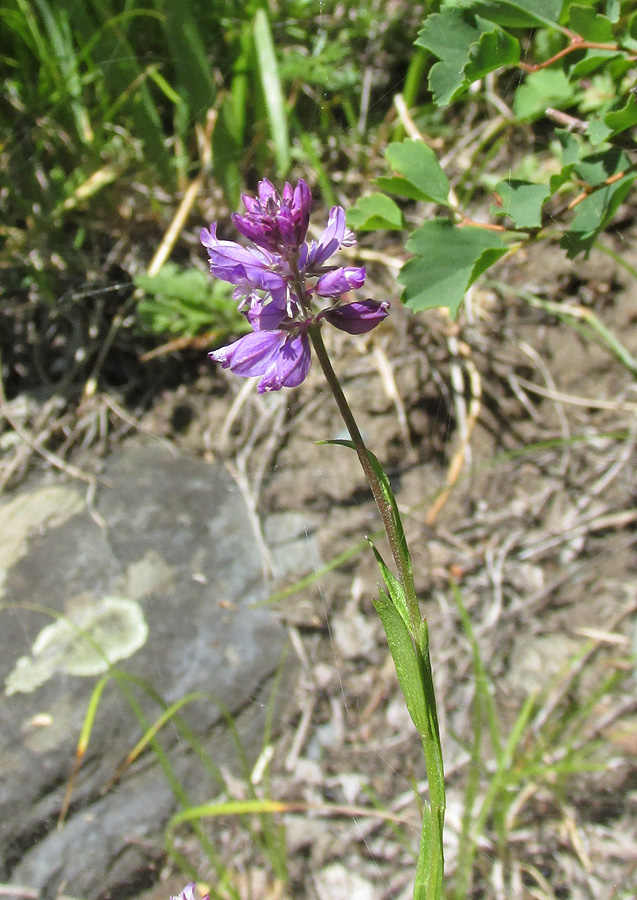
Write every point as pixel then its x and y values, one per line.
pixel 394 587
pixel 272 90
pixel 405 660
pixel 390 502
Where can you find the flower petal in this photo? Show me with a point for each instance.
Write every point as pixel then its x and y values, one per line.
pixel 358 317
pixel 245 266
pixel 345 278
pixel 330 240
pixel 264 316
pixel 252 354
pixel 290 365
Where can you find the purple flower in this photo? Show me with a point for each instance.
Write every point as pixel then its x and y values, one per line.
pixel 333 237
pixel 277 223
pixel 281 358
pixel 251 269
pixel 271 285
pixel 358 317
pixel 339 281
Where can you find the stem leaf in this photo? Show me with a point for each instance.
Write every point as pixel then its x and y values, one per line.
pixel 405 659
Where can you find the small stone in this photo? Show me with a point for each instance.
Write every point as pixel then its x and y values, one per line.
pixel 354 634
pixel 336 882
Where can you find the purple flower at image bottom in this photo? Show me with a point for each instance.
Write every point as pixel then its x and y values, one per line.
pixel 188 893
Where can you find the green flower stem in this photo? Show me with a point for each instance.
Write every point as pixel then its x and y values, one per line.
pixel 430 870
pixel 399 551
pixel 430 885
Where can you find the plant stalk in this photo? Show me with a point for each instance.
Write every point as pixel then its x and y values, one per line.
pixel 398 551
pixel 429 874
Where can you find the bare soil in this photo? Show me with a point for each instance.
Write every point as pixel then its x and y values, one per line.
pixel 510 441
pixel 509 437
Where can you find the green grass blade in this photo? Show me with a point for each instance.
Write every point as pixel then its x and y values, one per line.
pixel 483 690
pixel 272 90
pixel 188 55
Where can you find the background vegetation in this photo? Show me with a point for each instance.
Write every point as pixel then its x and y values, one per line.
pixel 470 128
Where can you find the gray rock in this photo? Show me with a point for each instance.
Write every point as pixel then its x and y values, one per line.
pixel 163 592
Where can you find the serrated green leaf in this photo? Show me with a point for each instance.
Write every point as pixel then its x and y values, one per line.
pixel 396 184
pixel 405 659
pixel 590 62
pixel 570 146
pixel 596 168
pixel 522 201
pixel 494 49
pixel 621 119
pixel 418 163
pixel 448 260
pixel 593 215
pixel 597 132
pixel 448 35
pixel 548 87
pixel 374 212
pixel 590 25
pixel 517 13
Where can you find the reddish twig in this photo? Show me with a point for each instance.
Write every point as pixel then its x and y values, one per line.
pixel 487 226
pixel 577 43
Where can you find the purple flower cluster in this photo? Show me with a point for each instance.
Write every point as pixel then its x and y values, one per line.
pixel 272 287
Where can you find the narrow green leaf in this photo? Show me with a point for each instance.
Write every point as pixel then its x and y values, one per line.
pixel 448 260
pixel 522 201
pixel 374 212
pixel 188 55
pixel 424 865
pixel 272 90
pixel 227 152
pixel 394 587
pixel 418 164
pixel 405 659
pixel 390 501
